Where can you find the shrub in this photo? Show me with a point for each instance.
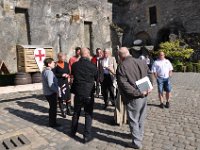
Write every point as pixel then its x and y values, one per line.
pixel 179 68
pixel 175 50
pixel 195 67
pixel 177 65
pixel 174 66
pixel 198 67
pixel 189 67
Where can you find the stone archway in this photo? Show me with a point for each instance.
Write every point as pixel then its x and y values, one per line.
pixel 144 36
pixel 175 28
pixel 163 35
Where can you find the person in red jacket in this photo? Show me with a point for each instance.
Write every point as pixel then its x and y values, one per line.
pixel 97 59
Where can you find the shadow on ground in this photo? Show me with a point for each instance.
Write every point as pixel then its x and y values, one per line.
pixel 38 97
pixel 42 120
pixel 154 105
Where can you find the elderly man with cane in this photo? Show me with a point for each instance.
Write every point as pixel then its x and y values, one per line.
pixel 128 72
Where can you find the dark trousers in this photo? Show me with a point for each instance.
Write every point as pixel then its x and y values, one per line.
pixel 98 88
pixel 87 103
pixel 52 99
pixel 107 86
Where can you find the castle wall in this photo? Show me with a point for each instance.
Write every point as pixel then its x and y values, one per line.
pixel 58 23
pixel 134 17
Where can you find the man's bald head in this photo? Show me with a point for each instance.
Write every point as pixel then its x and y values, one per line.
pixel 123 52
pixel 161 55
pixel 85 53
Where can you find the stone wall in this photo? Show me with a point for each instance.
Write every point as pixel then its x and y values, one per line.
pixel 172 16
pixel 58 23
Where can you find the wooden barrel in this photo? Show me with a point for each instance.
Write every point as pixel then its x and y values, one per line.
pixel 22 78
pixel 36 77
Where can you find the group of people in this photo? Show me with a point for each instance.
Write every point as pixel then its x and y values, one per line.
pixel 85 75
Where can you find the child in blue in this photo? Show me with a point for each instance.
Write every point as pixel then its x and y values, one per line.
pixel 50 90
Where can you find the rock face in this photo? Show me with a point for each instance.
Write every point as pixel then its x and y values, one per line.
pixel 137 18
pixel 63 24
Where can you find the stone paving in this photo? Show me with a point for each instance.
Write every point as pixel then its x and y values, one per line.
pixel 177 128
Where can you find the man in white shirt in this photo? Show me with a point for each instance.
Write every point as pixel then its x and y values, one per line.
pixel 162 69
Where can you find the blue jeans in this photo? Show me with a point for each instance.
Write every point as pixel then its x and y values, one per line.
pixel 163 85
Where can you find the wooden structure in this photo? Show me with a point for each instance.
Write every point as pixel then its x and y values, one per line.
pixel 25 57
pixel 22 78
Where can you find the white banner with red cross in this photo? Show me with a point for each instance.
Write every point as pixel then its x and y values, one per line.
pixel 40 55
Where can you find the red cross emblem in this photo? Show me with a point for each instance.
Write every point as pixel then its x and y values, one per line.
pixel 40 55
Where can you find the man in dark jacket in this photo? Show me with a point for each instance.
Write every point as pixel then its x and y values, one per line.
pixel 128 72
pixel 84 74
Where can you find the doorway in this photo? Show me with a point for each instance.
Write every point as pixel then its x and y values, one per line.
pixel 23 26
pixel 88 35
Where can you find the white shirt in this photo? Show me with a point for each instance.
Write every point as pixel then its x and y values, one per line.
pixel 105 64
pixel 98 61
pixel 147 61
pixel 162 68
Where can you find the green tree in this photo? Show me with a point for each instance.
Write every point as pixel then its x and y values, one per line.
pixel 176 49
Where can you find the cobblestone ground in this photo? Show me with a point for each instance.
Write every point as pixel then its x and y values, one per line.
pixel 176 128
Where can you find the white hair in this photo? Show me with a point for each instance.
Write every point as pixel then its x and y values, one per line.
pixel 124 52
pixel 107 50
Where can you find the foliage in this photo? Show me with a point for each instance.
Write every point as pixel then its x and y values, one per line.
pixel 179 52
pixel 177 65
pixel 189 66
pixel 198 67
pixel 116 27
pixel 177 62
pixel 176 49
